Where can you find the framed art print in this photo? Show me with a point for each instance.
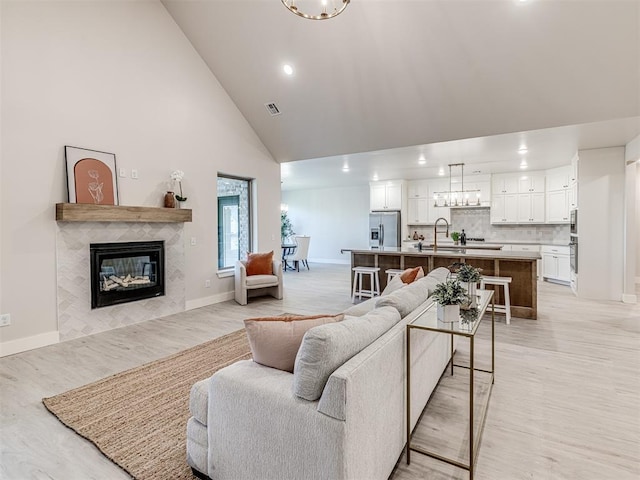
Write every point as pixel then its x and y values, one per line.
pixel 91 176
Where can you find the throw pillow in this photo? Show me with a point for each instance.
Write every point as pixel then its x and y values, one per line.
pixel 395 283
pixel 260 263
pixel 412 274
pixel 327 347
pixel 275 341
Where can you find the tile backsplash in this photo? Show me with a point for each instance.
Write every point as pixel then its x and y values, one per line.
pixel 477 224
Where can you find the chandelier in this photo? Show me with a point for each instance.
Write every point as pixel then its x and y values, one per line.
pixel 325 8
pixel 457 198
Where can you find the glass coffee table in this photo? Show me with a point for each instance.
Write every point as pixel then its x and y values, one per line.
pixel 466 326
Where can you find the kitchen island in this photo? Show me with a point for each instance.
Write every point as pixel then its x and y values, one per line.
pixel 520 266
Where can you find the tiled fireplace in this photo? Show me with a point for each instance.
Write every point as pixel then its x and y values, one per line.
pixel 76 317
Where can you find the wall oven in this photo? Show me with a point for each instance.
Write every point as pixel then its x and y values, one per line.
pixel 573 254
pixel 573 222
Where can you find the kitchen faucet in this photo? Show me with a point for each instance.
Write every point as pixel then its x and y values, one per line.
pixel 435 232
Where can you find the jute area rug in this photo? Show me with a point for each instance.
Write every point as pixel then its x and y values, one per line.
pixel 138 418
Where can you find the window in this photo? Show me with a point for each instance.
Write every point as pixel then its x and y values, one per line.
pixel 234 220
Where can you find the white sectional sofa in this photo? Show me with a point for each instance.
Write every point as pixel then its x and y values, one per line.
pixel 248 421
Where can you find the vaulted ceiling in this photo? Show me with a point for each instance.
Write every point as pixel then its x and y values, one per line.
pixel 399 73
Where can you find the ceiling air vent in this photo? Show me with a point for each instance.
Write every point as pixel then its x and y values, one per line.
pixel 273 109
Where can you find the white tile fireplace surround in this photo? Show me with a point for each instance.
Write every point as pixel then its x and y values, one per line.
pixel 75 316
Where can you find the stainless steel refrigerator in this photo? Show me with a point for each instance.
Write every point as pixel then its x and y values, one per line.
pixel 384 229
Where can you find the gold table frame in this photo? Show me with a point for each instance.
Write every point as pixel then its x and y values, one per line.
pixel 434 325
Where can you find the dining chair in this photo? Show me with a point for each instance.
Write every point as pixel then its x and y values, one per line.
pixel 301 253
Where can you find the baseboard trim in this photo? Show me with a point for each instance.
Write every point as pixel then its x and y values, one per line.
pixel 629 298
pixel 204 301
pixel 335 261
pixel 29 343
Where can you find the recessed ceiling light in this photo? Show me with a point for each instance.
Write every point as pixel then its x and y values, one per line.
pixel 441 172
pixel 422 160
pixel 477 171
pixel 345 168
pixel 375 177
pixel 523 149
pixel 288 69
pixel 523 166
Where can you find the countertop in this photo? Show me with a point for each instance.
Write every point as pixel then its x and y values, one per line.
pixel 450 252
pixel 495 242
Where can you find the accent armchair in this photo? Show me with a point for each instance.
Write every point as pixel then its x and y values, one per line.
pixel 255 285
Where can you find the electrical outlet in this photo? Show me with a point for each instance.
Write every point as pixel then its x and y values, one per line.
pixel 207 284
pixel 193 241
pixel 5 320
pixel 134 174
pixel 123 173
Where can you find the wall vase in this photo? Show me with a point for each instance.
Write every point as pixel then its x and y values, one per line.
pixel 448 313
pixel 169 200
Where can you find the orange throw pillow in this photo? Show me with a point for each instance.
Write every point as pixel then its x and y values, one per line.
pixel 275 341
pixel 410 275
pixel 260 263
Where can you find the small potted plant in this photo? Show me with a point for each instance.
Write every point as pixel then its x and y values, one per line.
pixel 467 317
pixel 455 236
pixel 449 295
pixel 469 276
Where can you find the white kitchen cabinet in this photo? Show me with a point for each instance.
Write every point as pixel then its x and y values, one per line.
pixel 573 179
pixel 531 208
pixel 560 194
pixel 559 178
pixel 504 208
pixel 573 196
pixel 555 263
pixel 502 184
pixel 531 183
pixel 418 189
pixel 438 212
pixel 418 211
pixel 558 206
pixel 385 196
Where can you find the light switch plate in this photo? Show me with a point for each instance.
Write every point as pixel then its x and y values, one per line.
pixel 5 320
pixel 193 241
pixel 134 174
pixel 123 172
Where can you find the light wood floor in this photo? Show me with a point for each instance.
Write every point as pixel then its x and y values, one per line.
pixel 565 404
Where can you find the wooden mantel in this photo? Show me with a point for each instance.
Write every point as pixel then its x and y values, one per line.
pixel 85 212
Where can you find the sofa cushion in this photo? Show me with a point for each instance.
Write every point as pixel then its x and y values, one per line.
pixel 406 299
pixel 275 341
pixel 259 263
pixel 198 400
pixel 434 277
pixel 396 283
pixel 411 274
pixel 256 281
pixel 362 308
pixel 327 347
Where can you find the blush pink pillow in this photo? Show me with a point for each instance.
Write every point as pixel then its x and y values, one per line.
pixel 275 341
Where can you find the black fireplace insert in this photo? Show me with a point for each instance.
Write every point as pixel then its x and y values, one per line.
pixel 126 272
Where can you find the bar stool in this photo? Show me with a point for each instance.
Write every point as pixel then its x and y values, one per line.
pixel 392 272
pixel 497 281
pixel 374 290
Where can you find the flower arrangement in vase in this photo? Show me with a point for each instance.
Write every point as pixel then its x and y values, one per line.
pixel 177 176
pixel 449 295
pixel 469 276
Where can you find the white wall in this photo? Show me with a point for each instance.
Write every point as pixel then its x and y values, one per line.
pixel 638 221
pixel 335 218
pixel 632 156
pixel 119 77
pixel 601 180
